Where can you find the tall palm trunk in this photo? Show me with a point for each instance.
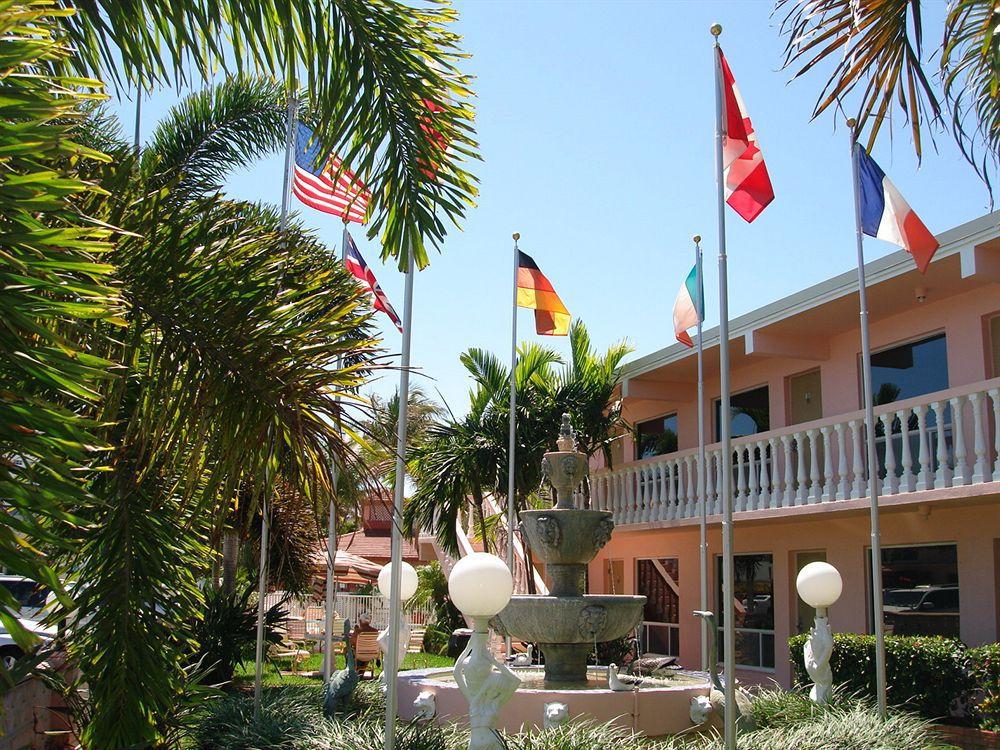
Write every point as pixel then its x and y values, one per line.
pixel 230 556
pixel 477 494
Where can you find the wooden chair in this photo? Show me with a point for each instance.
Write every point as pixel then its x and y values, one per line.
pixel 367 653
pixel 416 643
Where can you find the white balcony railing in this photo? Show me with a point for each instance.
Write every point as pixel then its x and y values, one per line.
pixel 944 439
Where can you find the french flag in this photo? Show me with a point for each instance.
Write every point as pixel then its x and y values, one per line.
pixel 885 214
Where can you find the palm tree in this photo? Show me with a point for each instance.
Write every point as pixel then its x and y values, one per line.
pixel 584 388
pixel 227 380
pixel 877 51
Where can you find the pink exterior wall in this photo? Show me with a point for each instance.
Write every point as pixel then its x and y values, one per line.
pixel 973 523
pixel 959 316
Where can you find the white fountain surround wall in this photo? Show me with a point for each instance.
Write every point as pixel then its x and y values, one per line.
pixel 652 711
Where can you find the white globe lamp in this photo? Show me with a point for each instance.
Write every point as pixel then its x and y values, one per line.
pixel 480 585
pixel 820 585
pixel 407 581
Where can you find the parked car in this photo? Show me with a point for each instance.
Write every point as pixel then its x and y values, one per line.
pixel 32 598
pixel 922 610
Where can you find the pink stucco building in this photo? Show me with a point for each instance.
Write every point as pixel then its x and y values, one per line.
pixel 798 465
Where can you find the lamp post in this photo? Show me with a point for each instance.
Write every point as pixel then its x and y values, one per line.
pixel 407 588
pixel 480 585
pixel 819 584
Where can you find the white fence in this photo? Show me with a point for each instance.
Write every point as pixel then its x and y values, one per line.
pixel 349 607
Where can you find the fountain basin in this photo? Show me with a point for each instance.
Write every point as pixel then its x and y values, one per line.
pixel 566 536
pixel 570 619
pixel 658 707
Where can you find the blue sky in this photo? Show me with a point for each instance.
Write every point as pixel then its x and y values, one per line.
pixel 595 121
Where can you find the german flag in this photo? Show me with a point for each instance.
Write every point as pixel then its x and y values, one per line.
pixel 535 291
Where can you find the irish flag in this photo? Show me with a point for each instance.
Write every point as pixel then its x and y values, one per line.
pixel 689 307
pixel 885 214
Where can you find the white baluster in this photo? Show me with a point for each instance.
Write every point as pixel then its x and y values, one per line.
pixel 961 476
pixel 925 479
pixel 829 485
pixel 710 497
pixel 691 469
pixel 906 481
pixel 765 478
pixel 995 397
pixel 815 489
pixel 672 496
pixel 858 491
pixel 652 491
pixel 802 486
pixel 788 469
pixel 890 485
pixel 741 479
pixel 942 477
pixel 753 500
pixel 980 472
pixel 843 487
pixel 721 465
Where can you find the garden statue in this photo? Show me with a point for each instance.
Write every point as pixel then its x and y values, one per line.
pixel 817 653
pixel 555 714
pixel 337 690
pixel 401 645
pixel 426 706
pixel 819 584
pixel 710 712
pixel 487 684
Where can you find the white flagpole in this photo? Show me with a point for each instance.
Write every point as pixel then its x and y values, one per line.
pixel 866 384
pixel 725 490
pixel 331 537
pixel 391 657
pixel 265 524
pixel 512 442
pixel 702 465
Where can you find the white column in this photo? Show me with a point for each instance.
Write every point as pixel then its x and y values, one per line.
pixel 859 469
pixel 741 479
pixel 942 477
pixel 787 468
pixel 925 479
pixel 765 478
pixel 843 487
pixel 961 476
pixel 995 397
pixel 753 501
pixel 815 489
pixel 801 476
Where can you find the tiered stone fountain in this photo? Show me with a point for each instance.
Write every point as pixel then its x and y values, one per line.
pixel 567 624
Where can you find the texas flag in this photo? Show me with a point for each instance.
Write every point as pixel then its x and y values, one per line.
pixel 748 185
pixel 689 307
pixel 885 214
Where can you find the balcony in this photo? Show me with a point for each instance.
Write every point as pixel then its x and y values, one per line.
pixel 940 440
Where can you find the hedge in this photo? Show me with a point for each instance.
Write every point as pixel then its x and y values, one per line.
pixel 984 666
pixel 926 674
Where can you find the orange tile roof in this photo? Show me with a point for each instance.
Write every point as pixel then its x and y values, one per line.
pixel 375 545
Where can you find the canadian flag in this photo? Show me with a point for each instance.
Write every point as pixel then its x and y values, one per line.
pixel 748 186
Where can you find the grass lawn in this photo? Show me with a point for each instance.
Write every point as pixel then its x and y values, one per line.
pixel 311 666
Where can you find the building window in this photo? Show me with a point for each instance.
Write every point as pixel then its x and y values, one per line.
pixel 910 370
pixel 655 437
pixel 750 413
pixel 658 580
pixel 920 590
pixel 753 604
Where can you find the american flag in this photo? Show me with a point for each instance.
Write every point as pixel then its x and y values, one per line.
pixel 319 182
pixel 357 267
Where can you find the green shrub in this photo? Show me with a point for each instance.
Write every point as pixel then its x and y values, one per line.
pixel 926 674
pixel 984 666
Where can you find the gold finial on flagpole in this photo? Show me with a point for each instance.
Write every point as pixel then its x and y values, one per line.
pixel 851 123
pixel 517 236
pixel 697 238
pixel 716 29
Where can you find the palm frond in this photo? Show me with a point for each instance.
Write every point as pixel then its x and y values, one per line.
pixel 879 44
pixel 970 61
pixel 382 77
